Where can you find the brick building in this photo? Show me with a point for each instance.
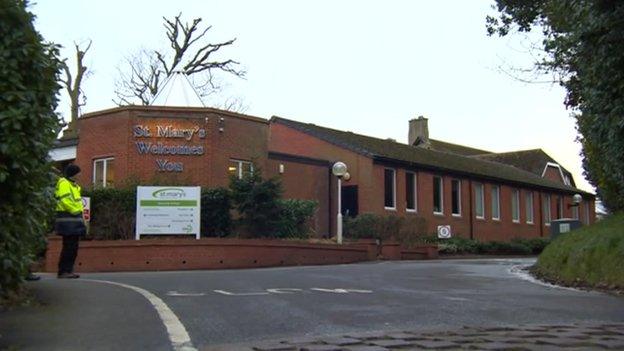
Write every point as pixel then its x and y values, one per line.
pixel 480 194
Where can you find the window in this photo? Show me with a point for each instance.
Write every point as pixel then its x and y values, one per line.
pixel 559 207
pixel 529 207
pixel 456 197
pixel 515 206
pixel 575 211
pixel 240 168
pixel 438 201
pixel 104 172
pixel 411 192
pixel 389 189
pixel 586 203
pixel 479 208
pixel 495 202
pixel 547 210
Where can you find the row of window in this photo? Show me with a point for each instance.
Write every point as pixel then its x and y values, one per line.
pixel 104 170
pixel 479 191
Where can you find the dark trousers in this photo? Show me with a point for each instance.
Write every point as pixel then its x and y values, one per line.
pixel 68 253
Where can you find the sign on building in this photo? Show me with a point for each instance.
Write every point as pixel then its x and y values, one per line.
pixel 444 231
pixel 168 210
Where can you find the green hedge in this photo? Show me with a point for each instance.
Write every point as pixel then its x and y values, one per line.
pixel 28 128
pixel 113 215
pixel 406 230
pixel 592 255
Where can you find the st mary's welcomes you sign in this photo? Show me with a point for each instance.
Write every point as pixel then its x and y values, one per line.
pixel 168 210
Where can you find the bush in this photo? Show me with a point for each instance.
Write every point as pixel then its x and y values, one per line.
pixel 406 230
pixel 113 213
pixel 216 220
pixel 256 201
pixel 536 245
pixel 28 128
pixel 591 255
pixel 295 216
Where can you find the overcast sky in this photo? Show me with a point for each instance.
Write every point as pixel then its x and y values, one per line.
pixel 363 66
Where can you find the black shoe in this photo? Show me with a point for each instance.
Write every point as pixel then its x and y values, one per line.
pixel 67 276
pixel 31 277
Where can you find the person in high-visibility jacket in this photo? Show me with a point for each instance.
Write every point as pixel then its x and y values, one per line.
pixel 69 222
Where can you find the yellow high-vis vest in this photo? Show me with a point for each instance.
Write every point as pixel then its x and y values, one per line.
pixel 68 197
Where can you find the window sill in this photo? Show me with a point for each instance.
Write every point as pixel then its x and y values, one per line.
pixel 439 214
pixel 530 223
pixel 390 208
pixel 456 215
pixel 411 211
pixel 515 222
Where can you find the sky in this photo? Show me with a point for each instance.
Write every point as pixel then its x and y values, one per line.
pixel 362 66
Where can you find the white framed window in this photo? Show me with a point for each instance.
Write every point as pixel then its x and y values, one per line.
pixel 586 205
pixel 456 197
pixel 495 202
pixel 528 202
pixel 239 168
pixel 559 207
pixel 411 192
pixel 547 217
pixel 438 198
pixel 515 206
pixel 389 189
pixel 479 201
pixel 104 172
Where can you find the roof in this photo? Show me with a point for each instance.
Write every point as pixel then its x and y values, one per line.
pixel 454 148
pixel 533 160
pixel 388 151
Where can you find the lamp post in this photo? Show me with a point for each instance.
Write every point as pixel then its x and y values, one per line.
pixel 339 169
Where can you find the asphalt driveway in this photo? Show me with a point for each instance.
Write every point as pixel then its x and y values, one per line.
pixel 251 305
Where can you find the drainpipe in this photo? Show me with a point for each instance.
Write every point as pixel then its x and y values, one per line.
pixel 329 207
pixel 470 195
pixel 541 213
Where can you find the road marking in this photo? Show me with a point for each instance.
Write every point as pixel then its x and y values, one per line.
pixel 283 290
pixel 342 291
pixel 179 337
pixel 175 293
pixel 239 294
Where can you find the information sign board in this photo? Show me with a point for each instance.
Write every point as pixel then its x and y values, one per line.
pixel 168 210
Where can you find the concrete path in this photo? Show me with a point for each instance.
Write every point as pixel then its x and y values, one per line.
pixel 204 310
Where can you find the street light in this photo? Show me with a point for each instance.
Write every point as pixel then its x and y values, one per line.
pixel 339 169
pixel 576 199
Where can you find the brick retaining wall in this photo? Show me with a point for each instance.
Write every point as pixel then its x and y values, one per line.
pixel 215 253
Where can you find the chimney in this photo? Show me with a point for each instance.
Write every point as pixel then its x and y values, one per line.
pixel 419 132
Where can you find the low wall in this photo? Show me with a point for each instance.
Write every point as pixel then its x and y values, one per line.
pixel 216 253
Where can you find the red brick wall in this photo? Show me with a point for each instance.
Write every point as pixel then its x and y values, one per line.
pixel 554 174
pixel 306 181
pixel 369 177
pixel 229 136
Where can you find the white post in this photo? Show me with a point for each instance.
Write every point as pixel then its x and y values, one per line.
pixel 339 217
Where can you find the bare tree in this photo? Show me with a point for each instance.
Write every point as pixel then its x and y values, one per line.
pixel 190 54
pixel 73 85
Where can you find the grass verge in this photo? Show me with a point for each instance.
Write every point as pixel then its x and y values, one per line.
pixel 591 256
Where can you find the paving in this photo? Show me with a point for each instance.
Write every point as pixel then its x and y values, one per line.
pixel 605 336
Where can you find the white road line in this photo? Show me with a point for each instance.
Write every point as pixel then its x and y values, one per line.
pixel 179 337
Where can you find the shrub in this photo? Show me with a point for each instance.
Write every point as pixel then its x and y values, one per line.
pixel 28 128
pixel 113 213
pixel 536 245
pixel 256 201
pixel 407 231
pixel 216 220
pixel 294 218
